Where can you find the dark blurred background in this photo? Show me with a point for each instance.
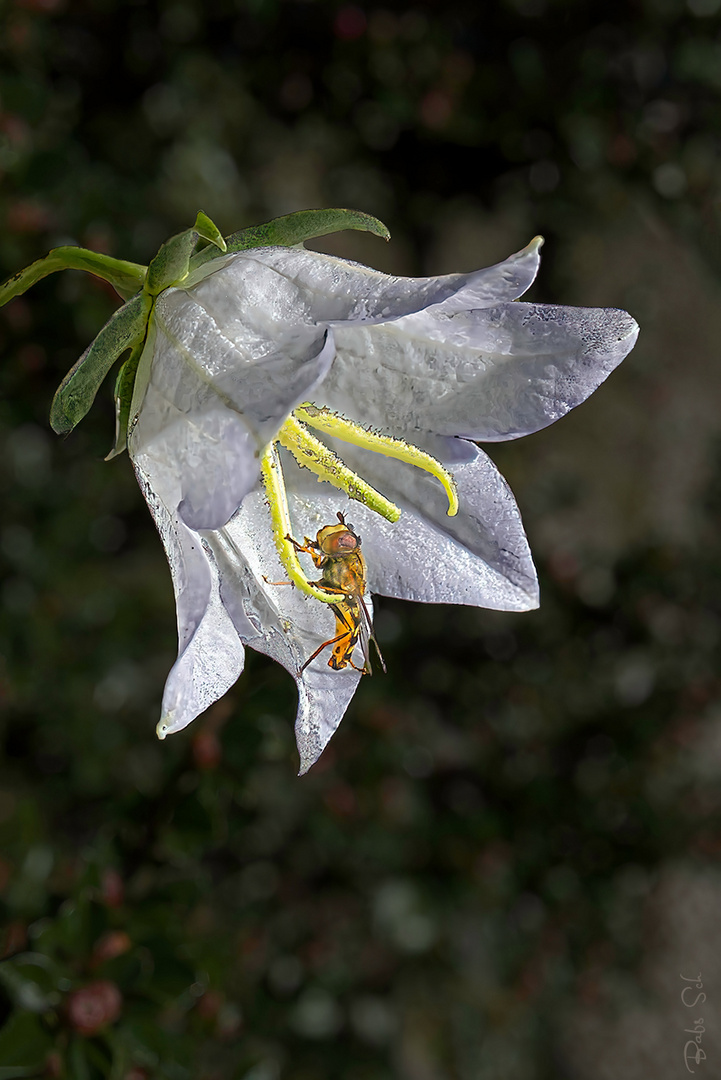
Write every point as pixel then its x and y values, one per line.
pixel 509 853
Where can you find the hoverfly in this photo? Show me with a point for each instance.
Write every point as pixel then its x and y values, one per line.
pixel 336 553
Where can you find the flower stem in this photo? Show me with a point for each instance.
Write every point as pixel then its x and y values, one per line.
pixel 125 277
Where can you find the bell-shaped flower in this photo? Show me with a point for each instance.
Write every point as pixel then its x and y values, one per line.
pixel 275 383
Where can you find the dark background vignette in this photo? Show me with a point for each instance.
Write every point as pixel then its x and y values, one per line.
pixel 510 849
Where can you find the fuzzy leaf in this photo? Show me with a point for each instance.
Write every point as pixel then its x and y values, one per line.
pixel 296 228
pixel 77 391
pixel 209 231
pixel 123 398
pixel 171 263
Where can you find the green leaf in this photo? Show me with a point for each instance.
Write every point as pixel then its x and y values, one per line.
pixel 30 979
pixel 79 1067
pixel 305 225
pixel 126 277
pixel 295 228
pixel 171 263
pixel 123 397
pixel 24 1045
pixel 77 391
pixel 117 1043
pixel 208 230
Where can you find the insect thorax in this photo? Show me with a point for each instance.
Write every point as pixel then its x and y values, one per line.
pixel 346 573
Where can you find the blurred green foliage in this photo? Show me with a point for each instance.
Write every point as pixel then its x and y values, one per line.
pixel 475 850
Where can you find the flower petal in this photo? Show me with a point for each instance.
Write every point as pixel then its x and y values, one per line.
pixel 195 467
pixel 208 666
pixel 211 654
pixel 329 288
pixel 489 374
pixel 499 284
pixel 479 557
pixel 201 466
pixel 279 620
pixel 211 403
pixel 244 341
pixel 323 697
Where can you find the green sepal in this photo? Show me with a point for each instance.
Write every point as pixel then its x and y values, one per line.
pixel 123 397
pixel 304 225
pixel 171 263
pixel 294 229
pixel 209 231
pixel 77 391
pixel 125 277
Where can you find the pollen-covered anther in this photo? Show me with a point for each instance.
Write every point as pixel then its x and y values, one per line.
pixel 313 454
pixel 272 474
pixel 334 424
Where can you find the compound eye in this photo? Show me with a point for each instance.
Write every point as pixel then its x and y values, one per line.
pixel 343 543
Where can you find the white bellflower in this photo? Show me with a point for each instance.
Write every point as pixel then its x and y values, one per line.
pixel 260 360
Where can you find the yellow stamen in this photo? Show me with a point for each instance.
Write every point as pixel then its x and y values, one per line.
pixel 333 424
pixel 316 456
pixel 272 474
pixel 313 454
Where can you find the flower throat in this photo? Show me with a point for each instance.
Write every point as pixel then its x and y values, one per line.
pixel 313 454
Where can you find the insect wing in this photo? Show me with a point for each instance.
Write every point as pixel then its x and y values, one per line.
pixel 366 636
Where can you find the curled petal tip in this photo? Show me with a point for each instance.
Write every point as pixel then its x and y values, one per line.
pixel 164 727
pixel 624 328
pixel 532 593
pixel 305 765
pixel 536 244
pixel 310 750
pixel 307 759
pixel 629 326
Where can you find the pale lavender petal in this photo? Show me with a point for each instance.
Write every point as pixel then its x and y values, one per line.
pixel 489 374
pixel 206 668
pixel 279 620
pixel 323 697
pixel 236 354
pixel 205 409
pixel 328 288
pixel 498 284
pixel 218 464
pixel 479 557
pixel 210 653
pixel 201 467
pixel 188 564
pixel 548 359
